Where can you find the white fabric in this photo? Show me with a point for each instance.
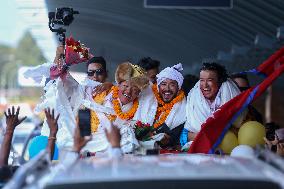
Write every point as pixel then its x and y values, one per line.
pixel 198 109
pixel 37 73
pixel 172 73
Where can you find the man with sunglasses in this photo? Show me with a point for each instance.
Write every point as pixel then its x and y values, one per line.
pixel 97 69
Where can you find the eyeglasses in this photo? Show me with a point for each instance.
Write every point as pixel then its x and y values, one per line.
pixel 97 72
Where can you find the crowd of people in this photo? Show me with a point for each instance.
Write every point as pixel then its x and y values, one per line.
pixel 173 105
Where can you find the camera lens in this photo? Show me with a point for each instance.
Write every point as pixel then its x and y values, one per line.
pixel 67 17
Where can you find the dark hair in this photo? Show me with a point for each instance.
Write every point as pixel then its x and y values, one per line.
pixel 240 75
pixel 99 60
pixel 148 63
pixel 219 69
pixel 189 82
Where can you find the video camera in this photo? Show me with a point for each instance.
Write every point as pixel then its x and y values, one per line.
pixel 63 17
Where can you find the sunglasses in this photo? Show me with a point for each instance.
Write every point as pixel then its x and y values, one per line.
pixel 97 72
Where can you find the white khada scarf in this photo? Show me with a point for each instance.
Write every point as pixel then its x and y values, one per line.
pixel 198 108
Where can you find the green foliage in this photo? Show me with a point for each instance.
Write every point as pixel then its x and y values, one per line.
pixel 28 51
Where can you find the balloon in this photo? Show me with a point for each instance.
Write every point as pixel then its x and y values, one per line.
pixel 229 142
pixel 39 143
pixel 238 122
pixel 251 133
pixel 243 151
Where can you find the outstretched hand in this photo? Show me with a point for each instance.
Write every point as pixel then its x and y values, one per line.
pixel 104 87
pixel 12 119
pixel 51 121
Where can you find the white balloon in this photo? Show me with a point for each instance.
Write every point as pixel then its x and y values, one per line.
pixel 243 151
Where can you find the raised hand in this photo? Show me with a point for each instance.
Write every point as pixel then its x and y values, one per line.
pixel 12 119
pixel 79 141
pixel 51 121
pixel 106 86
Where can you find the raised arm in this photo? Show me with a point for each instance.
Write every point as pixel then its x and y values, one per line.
pixel 12 120
pixel 53 128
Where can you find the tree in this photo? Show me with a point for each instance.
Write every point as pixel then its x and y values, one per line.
pixel 28 52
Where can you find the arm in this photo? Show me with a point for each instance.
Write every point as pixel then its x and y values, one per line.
pixel 53 128
pixel 12 120
pixel 79 141
pixel 114 137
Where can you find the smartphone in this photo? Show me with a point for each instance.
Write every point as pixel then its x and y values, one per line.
pixel 84 119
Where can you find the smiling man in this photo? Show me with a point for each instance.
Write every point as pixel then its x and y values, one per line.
pixel 170 105
pixel 213 89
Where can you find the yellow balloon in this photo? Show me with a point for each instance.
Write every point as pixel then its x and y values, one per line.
pixel 238 122
pixel 229 142
pixel 251 133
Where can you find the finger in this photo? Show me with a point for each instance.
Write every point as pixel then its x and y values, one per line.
pixel 57 117
pixel 21 120
pixel 46 113
pixel 13 110
pixel 18 111
pixel 5 114
pixel 52 113
pixel 9 111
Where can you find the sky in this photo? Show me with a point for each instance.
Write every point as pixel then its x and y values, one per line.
pixel 11 27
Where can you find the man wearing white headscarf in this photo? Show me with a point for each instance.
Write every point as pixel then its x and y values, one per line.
pixel 213 89
pixel 169 104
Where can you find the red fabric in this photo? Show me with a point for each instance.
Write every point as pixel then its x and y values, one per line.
pixel 272 63
pixel 214 126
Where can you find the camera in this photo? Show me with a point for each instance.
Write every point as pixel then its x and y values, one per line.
pixel 62 16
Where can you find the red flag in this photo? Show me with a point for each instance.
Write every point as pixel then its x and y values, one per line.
pixel 271 64
pixel 213 130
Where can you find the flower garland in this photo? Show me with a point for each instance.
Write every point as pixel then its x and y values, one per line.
pixel 164 109
pixel 117 109
pixel 95 121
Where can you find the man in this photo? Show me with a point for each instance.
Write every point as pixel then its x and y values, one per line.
pixel 125 104
pixel 169 103
pixel 213 89
pixel 243 83
pixel 151 66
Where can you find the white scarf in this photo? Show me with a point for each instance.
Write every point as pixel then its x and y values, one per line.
pixel 198 109
pixel 150 105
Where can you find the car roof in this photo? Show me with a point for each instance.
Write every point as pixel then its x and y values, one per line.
pixel 168 167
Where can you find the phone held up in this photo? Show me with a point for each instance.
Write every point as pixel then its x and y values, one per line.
pixel 84 119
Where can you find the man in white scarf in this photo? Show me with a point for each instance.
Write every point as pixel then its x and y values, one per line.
pixel 169 103
pixel 213 89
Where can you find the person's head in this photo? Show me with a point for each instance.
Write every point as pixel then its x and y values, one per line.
pixel 169 82
pixel 97 69
pixel 131 80
pixel 211 77
pixel 241 80
pixel 189 82
pixel 151 66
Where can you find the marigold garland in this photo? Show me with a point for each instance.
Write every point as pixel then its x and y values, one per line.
pixel 95 121
pixel 164 109
pixel 116 105
pixel 117 109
